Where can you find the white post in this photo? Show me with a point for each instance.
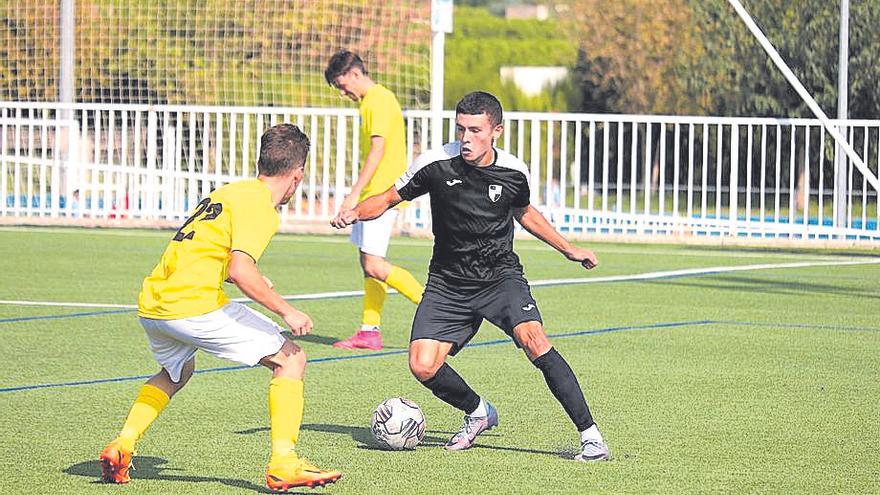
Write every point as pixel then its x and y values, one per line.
pixel 441 23
pixel 437 47
pixel 839 202
pixel 804 94
pixel 65 76
pixel 65 95
pixel 152 177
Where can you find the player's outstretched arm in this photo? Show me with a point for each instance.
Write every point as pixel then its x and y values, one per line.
pixel 533 221
pixel 243 272
pixel 368 209
pixel 371 164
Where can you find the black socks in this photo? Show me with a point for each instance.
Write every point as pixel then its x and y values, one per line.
pixel 565 388
pixel 449 387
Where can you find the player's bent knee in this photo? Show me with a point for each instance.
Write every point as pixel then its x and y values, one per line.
pixel 289 361
pixel 291 369
pixel 532 339
pixel 422 369
pixel 373 272
pixel 295 359
pixel 375 266
pixel 380 274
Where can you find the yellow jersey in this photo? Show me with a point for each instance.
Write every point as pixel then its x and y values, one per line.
pixel 381 116
pixel 188 281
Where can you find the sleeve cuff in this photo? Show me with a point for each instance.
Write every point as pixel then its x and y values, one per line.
pixel 245 252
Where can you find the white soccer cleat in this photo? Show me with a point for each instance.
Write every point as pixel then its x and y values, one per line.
pixel 593 451
pixel 472 427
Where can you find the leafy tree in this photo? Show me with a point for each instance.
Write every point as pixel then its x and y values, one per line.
pixel 631 53
pixel 24 37
pixel 210 51
pixel 736 77
pixel 482 43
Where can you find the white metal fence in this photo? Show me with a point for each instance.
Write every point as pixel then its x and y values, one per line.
pixel 714 178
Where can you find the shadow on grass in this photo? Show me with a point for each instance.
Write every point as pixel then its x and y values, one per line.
pixel 565 454
pixel 312 338
pixel 360 434
pixel 364 437
pixel 328 341
pixel 156 468
pixel 767 286
pixel 562 453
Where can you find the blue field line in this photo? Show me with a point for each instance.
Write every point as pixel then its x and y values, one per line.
pixel 198 372
pixel 356 356
pixel 599 331
pixel 69 315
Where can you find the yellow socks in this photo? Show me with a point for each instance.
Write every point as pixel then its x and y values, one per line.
pixel 285 414
pixel 405 283
pixel 375 291
pixel 374 299
pixel 149 403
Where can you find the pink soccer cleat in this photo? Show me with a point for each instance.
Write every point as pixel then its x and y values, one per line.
pixel 363 339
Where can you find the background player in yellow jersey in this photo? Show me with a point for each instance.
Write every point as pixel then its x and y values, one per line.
pixel 383 144
pixel 183 308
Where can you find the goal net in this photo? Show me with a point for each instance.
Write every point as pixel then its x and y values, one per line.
pixel 212 52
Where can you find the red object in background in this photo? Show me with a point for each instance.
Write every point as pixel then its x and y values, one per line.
pixel 114 210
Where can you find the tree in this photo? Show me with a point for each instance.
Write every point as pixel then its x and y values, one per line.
pixel 482 43
pixel 631 53
pixel 736 77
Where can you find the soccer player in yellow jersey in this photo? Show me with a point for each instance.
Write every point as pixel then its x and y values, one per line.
pixel 383 143
pixel 183 308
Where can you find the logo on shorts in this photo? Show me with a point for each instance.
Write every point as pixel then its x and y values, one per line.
pixel 528 307
pixel 453 182
pixel 494 192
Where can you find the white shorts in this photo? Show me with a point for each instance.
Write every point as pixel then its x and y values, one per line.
pixel 373 236
pixel 234 332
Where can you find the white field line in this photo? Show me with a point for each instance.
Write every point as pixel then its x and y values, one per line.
pixel 699 271
pixel 535 283
pixel 295 297
pixel 70 304
pixel 600 249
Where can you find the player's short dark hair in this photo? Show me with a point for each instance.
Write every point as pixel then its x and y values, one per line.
pixel 340 63
pixel 479 102
pixel 282 148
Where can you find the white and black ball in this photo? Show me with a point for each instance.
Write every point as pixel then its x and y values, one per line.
pixel 398 424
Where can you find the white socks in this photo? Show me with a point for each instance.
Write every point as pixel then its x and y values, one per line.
pixel 480 411
pixel 369 328
pixel 591 433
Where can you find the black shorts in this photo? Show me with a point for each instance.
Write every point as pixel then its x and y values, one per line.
pixel 452 311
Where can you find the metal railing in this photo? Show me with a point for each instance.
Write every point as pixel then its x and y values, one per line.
pixel 589 173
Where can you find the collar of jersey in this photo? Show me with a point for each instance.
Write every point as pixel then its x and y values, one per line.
pixel 494 160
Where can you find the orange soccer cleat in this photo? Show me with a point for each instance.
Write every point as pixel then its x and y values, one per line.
pixel 290 471
pixel 115 462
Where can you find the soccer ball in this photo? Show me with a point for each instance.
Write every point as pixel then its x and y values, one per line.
pixel 398 424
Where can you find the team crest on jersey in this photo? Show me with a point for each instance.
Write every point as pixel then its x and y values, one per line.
pixel 494 192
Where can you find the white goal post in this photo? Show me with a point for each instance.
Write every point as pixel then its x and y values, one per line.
pixel 804 94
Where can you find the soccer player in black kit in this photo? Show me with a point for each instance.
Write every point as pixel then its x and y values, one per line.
pixel 476 192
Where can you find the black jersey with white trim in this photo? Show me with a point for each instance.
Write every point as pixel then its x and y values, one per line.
pixel 471 211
